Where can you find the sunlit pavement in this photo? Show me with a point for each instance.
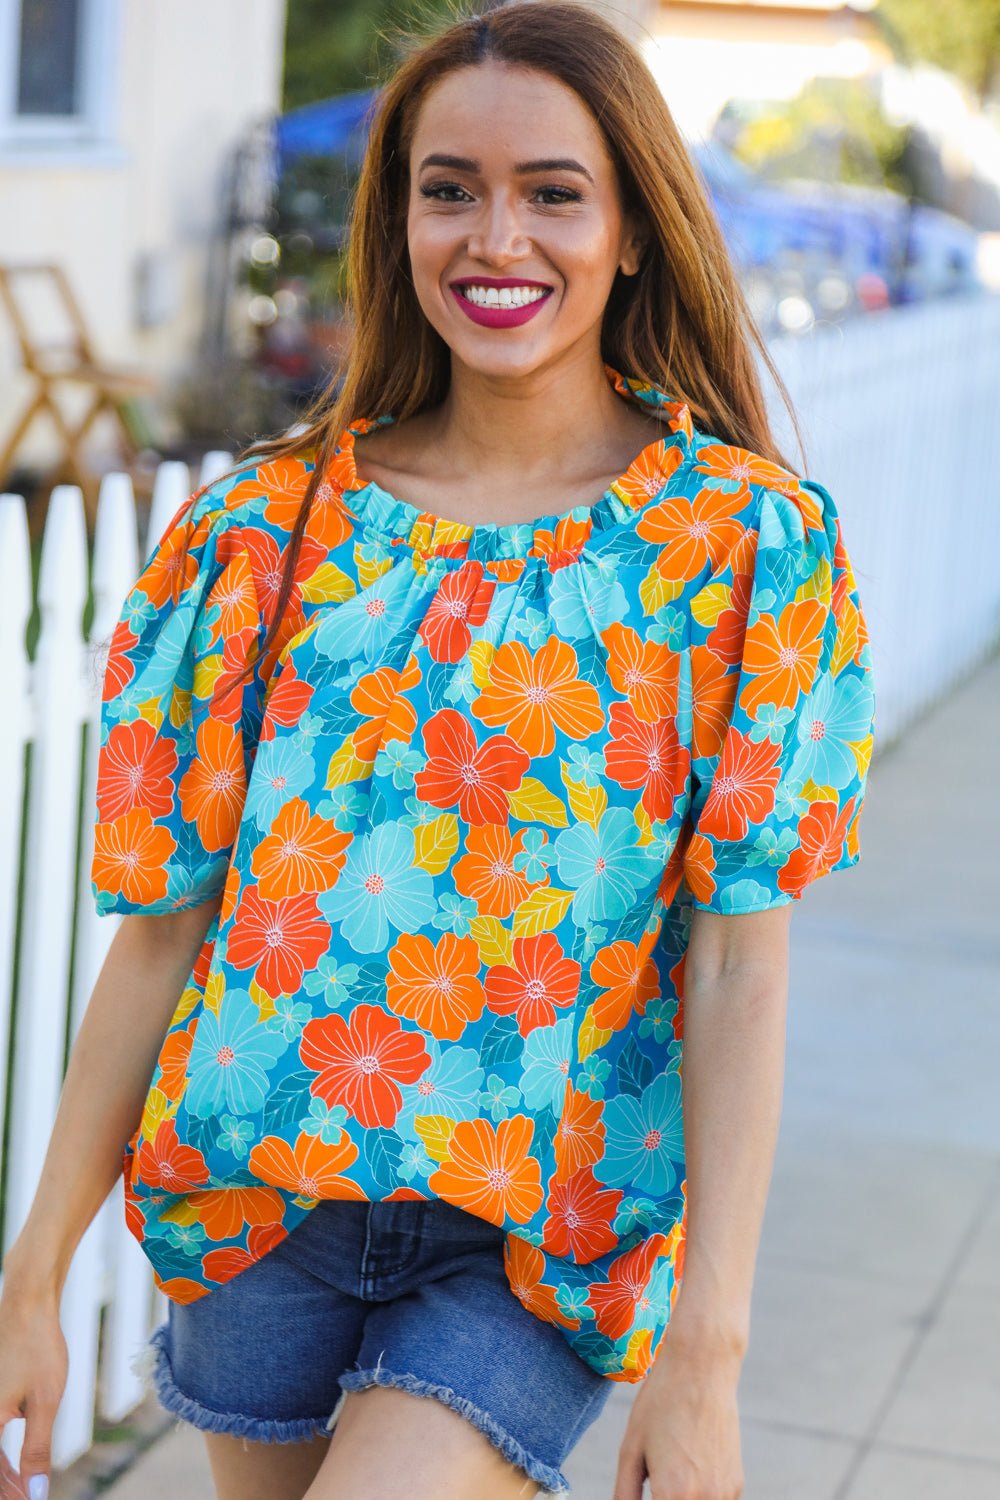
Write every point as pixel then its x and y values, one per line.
pixel 873 1371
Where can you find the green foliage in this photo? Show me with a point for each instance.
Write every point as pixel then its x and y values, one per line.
pixel 338 46
pixel 962 36
pixel 833 130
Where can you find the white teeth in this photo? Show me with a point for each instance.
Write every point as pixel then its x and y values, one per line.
pixel 507 296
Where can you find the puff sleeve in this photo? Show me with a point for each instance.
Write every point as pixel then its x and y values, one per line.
pixel 782 709
pixel 176 743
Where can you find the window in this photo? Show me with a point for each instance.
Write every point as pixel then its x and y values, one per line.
pixel 57 70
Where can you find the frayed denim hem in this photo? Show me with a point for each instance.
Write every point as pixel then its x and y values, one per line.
pixel 551 1480
pixel 152 1363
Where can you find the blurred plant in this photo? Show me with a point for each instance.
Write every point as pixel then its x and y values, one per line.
pixel 228 403
pixel 333 49
pixel 961 36
pixel 834 130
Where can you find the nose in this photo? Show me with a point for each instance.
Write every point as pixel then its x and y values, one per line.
pixel 498 236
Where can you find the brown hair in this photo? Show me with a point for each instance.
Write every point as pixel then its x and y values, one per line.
pixel 681 322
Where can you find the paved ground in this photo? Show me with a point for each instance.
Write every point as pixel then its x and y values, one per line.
pixel 873 1372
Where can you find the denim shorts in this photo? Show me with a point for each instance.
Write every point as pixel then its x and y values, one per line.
pixel 406 1294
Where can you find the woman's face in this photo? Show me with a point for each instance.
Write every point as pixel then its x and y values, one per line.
pixel 513 195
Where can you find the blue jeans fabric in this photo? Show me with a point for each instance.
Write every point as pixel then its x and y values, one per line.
pixel 406 1294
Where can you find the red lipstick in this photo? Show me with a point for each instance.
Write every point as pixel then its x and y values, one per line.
pixel 499 317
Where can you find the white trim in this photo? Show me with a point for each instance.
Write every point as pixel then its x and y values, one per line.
pixel 93 129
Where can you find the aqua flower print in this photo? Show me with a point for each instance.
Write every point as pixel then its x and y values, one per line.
pixel 498 1098
pixel 397 760
pixel 379 888
pixel 835 715
pixel 282 770
pixel 235 1135
pixel 584 600
pixel 644 1138
pixel 545 1061
pixel 332 980
pixel 605 866
pixel 450 1086
pixel 231 1056
pixel 363 624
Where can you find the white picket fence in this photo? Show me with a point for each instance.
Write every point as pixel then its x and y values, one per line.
pixel 109 1305
pixel 902 422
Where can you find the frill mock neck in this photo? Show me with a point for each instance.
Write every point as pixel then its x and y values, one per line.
pixel 565 533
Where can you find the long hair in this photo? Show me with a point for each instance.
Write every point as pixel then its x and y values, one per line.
pixel 682 322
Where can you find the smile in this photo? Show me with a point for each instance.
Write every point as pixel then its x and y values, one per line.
pixel 499 307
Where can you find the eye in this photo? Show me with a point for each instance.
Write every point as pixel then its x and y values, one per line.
pixel 565 195
pixel 438 190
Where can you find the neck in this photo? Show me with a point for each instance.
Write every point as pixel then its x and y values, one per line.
pixel 489 423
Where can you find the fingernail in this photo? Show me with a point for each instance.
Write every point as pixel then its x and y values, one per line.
pixel 38 1487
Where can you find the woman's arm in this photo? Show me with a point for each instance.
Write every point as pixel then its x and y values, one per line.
pixel 110 1066
pixel 684 1427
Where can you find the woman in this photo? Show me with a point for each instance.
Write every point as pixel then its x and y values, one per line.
pixel 463 756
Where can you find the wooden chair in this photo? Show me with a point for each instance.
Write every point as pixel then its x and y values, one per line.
pixel 71 361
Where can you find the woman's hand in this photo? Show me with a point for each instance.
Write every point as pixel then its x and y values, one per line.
pixel 683 1433
pixel 33 1368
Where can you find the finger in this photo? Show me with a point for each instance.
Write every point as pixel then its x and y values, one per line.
pixel 36 1451
pixel 630 1477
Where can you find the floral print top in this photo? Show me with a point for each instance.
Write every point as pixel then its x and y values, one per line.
pixel 459 816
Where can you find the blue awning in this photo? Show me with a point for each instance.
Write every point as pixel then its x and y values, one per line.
pixel 327 128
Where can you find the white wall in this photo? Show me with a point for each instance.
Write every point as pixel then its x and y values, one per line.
pixel 181 82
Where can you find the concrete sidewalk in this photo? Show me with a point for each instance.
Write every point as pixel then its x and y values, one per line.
pixel 873 1371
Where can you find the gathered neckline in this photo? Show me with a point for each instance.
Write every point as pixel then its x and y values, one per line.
pixel 565 533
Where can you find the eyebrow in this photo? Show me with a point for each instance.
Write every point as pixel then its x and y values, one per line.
pixel 523 168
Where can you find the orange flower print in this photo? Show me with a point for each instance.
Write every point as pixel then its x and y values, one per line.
pixel 649 472
pixel 646 671
pixel 279 940
pixel 743 787
pixel 213 789
pixel 694 533
pixel 486 872
pixel 225 1211
pixel 628 978
pixel 525 1267
pixel 175 1054
pixel 727 635
pixel 699 862
pixel 311 1168
pixel 174 566
pixel 713 692
pixel 235 597
pixel 361 1061
pixel 130 856
pixel 581 1218
pixel 167 1163
pixel 648 756
pixel 822 834
pixel 135 771
pixel 488 1171
pixel 725 462
pixel 436 985
pixel 781 655
pixel 535 695
pixel 223 1264
pixel 541 979
pixel 579 1140
pixel 461 772
pixel 617 1300
pixel 287 700
pixel 462 600
pixel 119 669
pixel 388 714
pixel 304 852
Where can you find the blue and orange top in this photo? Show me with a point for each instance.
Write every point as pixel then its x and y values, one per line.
pixel 459 817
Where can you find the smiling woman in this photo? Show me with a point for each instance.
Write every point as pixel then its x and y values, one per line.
pixel 491 725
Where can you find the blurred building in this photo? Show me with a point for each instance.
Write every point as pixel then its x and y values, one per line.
pixel 117 124
pixel 705 52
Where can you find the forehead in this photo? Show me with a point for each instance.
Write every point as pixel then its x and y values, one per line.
pixel 495 112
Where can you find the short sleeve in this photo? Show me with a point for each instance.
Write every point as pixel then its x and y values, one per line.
pixel 782 709
pixel 176 740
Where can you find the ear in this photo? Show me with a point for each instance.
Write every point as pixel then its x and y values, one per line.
pixel 635 238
